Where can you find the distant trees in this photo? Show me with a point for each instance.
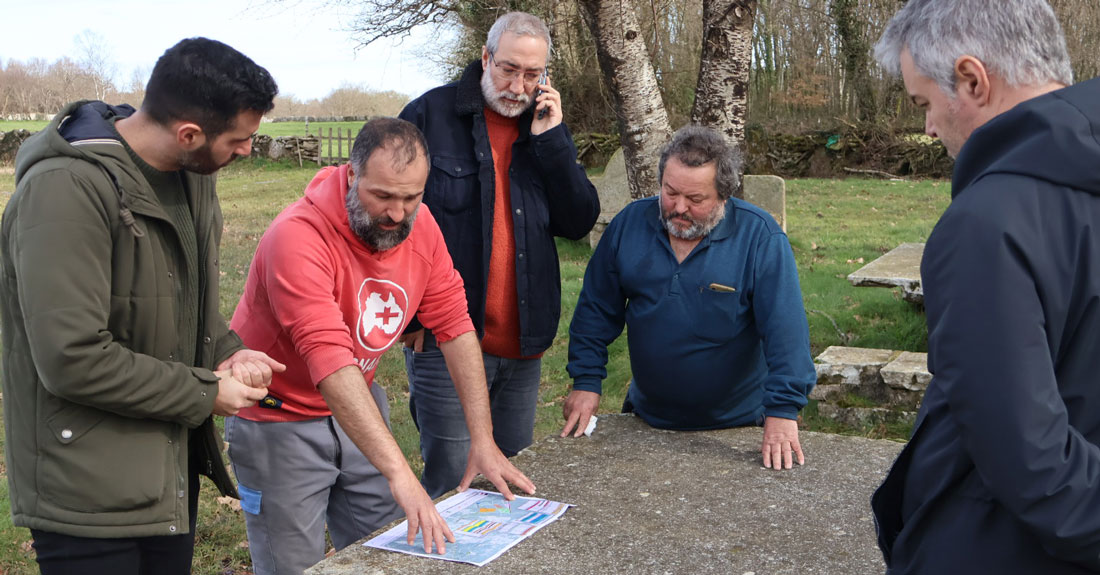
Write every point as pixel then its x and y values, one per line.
pixel 809 69
pixel 783 65
pixel 40 87
pixel 347 100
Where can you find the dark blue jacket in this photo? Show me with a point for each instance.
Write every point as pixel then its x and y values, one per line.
pixel 717 340
pixel 550 193
pixel 1002 473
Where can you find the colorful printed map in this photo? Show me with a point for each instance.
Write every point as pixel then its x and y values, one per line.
pixel 485 525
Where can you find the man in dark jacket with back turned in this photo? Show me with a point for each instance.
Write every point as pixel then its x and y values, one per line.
pixel 504 181
pixel 1002 473
pixel 111 329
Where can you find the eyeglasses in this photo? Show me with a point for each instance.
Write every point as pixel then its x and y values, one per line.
pixel 510 73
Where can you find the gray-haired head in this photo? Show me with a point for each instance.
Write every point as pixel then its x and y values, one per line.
pixel 520 24
pixel 695 146
pixel 403 138
pixel 1019 40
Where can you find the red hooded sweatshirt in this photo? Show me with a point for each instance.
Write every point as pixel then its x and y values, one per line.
pixel 318 299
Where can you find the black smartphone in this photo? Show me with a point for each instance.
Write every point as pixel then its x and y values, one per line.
pixel 542 80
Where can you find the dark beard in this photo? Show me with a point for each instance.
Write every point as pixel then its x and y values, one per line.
pixel 201 161
pixel 369 230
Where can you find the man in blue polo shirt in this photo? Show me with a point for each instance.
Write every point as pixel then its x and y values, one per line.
pixel 708 286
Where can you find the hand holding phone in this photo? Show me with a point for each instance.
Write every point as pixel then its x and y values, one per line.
pixel 542 80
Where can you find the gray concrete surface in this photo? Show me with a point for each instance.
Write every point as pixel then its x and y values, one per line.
pixel 899 267
pixel 652 501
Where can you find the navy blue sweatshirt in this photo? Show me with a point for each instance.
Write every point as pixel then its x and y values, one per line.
pixel 718 340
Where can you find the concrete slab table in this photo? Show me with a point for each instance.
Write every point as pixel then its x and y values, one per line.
pixel 899 267
pixel 652 501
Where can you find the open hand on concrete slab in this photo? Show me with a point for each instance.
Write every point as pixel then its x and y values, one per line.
pixel 781 446
pixel 578 409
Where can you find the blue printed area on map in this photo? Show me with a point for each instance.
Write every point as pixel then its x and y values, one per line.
pixel 486 526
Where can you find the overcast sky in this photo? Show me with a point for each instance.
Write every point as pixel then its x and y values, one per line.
pixel 304 47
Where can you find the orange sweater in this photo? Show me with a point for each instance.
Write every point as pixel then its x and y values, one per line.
pixel 501 299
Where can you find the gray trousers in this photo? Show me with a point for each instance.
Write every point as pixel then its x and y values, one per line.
pixel 293 478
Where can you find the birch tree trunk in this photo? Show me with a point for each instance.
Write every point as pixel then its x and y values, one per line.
pixel 721 95
pixel 624 62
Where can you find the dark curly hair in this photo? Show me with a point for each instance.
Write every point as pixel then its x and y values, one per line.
pixel 695 146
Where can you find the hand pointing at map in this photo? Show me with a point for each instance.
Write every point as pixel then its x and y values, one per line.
pixel 463 357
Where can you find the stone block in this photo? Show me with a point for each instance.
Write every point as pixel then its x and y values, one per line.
pixel 899 267
pixel 851 365
pixel 614 191
pixel 768 193
pixel 904 399
pixel 908 371
pixel 829 392
pixel 866 416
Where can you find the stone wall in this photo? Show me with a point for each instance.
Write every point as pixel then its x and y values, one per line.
pixel 322 119
pixel 9 145
pixel 861 386
pixel 303 150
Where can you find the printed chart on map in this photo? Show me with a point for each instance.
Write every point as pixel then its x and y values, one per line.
pixel 485 525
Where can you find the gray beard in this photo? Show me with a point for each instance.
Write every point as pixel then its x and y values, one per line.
pixel 505 107
pixel 698 229
pixel 366 228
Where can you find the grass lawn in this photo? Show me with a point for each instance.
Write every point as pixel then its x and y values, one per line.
pixel 32 125
pixel 277 129
pixel 834 226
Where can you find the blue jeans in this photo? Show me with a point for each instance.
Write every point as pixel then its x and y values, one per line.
pixel 433 402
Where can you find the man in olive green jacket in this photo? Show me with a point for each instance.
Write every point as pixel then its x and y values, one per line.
pixel 111 328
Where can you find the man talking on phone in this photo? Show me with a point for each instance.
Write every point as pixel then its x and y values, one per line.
pixel 504 181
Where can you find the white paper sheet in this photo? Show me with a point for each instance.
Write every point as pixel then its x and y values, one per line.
pixel 485 525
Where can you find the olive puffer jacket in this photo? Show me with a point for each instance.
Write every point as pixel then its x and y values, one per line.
pixel 98 409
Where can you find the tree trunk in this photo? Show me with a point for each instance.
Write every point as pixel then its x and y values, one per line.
pixel 624 61
pixel 721 95
pixel 855 55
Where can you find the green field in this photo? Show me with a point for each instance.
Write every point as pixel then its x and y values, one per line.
pixel 279 129
pixel 832 226
pixel 34 126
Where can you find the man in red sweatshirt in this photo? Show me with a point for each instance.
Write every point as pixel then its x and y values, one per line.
pixel 334 282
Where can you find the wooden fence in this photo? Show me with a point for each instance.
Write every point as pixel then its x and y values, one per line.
pixel 334 149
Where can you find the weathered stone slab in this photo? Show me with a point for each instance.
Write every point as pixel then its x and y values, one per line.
pixel 899 267
pixel 614 191
pixel 769 193
pixel 851 365
pixel 652 501
pixel 905 400
pixel 908 371
pixel 829 392
pixel 866 416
